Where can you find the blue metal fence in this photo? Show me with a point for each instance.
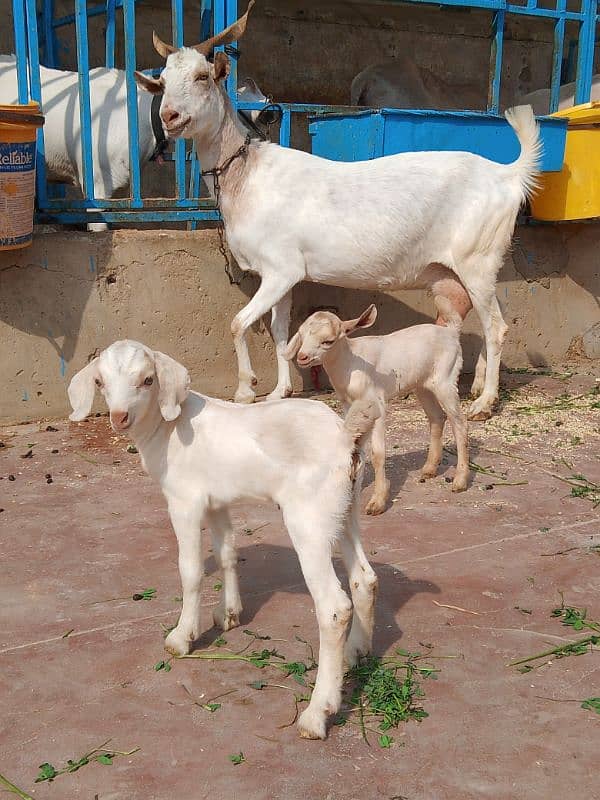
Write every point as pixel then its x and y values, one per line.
pixel 186 205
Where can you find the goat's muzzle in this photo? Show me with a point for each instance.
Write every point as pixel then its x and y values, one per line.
pixel 120 420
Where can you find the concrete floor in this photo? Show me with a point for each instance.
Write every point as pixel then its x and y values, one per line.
pixel 452 568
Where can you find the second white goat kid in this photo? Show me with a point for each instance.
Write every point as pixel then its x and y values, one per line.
pixel 207 453
pixel 426 359
pixel 440 220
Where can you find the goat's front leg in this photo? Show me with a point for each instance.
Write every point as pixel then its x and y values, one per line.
pixel 311 538
pixel 280 329
pixel 227 614
pixel 381 490
pixel 272 290
pixel 187 523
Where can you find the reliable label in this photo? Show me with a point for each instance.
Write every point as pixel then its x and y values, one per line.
pixel 17 192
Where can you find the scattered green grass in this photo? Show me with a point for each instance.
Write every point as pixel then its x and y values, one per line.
pixel 101 755
pixel 386 692
pixel 145 594
pixel 592 704
pixel 237 759
pixel 575 618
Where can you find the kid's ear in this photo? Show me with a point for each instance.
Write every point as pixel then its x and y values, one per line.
pixel 366 319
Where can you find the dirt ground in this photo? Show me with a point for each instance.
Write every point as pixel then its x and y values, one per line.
pixel 468 580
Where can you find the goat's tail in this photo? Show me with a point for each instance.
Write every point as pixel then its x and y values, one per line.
pixel 527 166
pixel 448 313
pixel 360 418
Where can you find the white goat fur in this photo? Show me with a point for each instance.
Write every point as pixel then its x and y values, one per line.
pixel 383 224
pixel 206 453
pixel 425 359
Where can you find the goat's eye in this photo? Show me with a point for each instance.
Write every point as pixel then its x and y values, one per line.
pixel 202 76
pixel 149 381
pixel 98 382
pixel 329 342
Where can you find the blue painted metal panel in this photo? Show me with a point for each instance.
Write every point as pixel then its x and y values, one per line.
pixel 177 22
pixel 496 61
pixel 422 131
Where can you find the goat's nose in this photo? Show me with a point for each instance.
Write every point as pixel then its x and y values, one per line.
pixel 119 419
pixel 169 115
pixel 302 357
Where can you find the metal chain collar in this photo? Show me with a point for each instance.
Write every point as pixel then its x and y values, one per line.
pixel 216 172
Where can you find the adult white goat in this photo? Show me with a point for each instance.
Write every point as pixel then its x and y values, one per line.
pixel 206 453
pixel 442 220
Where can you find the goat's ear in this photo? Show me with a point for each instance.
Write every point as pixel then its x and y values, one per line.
pixel 293 346
pixel 147 83
pixel 81 391
pixel 221 65
pixel 366 319
pixel 173 385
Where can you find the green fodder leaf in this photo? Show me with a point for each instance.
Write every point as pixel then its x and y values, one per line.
pixel 237 758
pixel 385 740
pixel 47 772
pixel 258 684
pixel 592 704
pixel 105 758
pixel 212 707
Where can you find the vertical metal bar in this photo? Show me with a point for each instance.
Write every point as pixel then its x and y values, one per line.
pixel 177 22
pixel 557 56
pixel 285 129
pixel 195 177
pixel 132 103
pixel 85 114
pixel 49 34
pixel 496 62
pixel 21 49
pixel 585 51
pixel 36 94
pixel 110 33
pixel 231 14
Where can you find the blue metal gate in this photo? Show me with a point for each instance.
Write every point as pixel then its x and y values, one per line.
pixel 35 34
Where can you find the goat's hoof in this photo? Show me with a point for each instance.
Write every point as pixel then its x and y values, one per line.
pixel 244 395
pixel 426 473
pixel 311 725
pixel 280 394
pixel 178 644
pixel 459 484
pixel 476 390
pixel 226 619
pixel 375 506
pixel 481 415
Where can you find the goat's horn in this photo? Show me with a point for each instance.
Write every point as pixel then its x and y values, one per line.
pixel 230 34
pixel 162 48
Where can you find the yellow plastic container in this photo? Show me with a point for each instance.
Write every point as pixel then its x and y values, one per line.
pixel 18 129
pixel 574 192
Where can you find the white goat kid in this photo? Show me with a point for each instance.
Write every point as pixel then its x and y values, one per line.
pixel 442 220
pixel 425 359
pixel 206 453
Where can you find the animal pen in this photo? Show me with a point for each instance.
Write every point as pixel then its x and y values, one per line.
pixel 334 136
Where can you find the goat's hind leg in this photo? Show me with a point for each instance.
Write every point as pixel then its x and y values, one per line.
pixel 437 419
pixel 447 397
pixel 227 614
pixel 312 533
pixel 363 587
